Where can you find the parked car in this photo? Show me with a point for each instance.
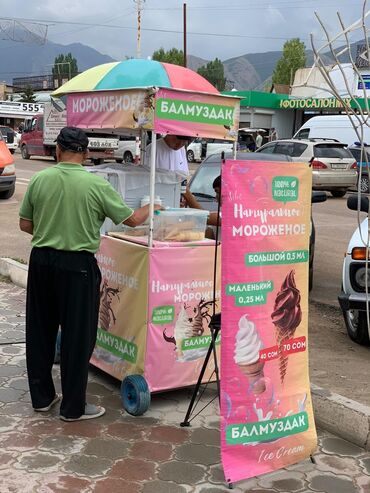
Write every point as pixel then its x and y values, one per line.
pixel 353 297
pixel 363 162
pixel 9 137
pixel 201 182
pixel 333 166
pixel 7 171
pixel 201 148
pixel 126 150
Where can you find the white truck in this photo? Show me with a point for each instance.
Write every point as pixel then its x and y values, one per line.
pixel 40 132
pixel 128 149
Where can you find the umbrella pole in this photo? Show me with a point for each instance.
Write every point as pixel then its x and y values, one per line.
pixel 152 187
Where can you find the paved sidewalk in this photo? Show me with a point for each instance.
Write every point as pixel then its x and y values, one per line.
pixel 119 453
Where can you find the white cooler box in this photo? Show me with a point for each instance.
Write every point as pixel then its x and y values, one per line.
pixel 132 183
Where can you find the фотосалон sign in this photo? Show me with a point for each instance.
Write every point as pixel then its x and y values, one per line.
pixel 305 104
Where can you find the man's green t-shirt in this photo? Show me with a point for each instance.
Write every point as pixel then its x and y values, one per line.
pixel 68 205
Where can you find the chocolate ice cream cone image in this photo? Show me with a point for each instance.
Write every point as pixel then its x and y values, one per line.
pixel 247 353
pixel 287 316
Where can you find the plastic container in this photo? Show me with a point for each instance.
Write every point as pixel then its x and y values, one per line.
pixel 146 200
pixel 180 224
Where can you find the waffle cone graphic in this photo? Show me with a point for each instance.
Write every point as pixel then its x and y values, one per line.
pixel 254 373
pixel 283 358
pixel 287 316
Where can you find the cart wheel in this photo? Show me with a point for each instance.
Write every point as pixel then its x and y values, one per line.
pixel 135 395
pixel 57 348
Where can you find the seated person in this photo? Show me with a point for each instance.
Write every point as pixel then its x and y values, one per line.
pixel 170 154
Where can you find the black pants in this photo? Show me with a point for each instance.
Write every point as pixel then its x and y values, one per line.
pixel 62 290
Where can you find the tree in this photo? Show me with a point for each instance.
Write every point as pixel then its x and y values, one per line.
pixel 28 95
pixel 214 73
pixel 65 67
pixel 293 58
pixel 173 55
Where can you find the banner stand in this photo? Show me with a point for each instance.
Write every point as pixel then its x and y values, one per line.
pixel 266 406
pixel 215 327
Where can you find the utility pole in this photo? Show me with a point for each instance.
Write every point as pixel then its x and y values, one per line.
pixel 139 4
pixel 184 17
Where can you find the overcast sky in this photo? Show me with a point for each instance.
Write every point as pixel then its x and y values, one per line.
pixel 251 26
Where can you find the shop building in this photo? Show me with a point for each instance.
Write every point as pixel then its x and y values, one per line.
pixel 309 96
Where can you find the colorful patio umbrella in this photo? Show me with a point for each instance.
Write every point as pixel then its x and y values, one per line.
pixel 136 73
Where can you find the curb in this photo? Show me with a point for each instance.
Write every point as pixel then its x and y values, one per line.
pixel 341 416
pixel 16 271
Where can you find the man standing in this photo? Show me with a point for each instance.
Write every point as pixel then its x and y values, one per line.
pixel 63 209
pixel 259 139
pixel 170 154
pixel 273 135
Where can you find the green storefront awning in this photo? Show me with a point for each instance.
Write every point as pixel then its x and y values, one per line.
pixel 256 99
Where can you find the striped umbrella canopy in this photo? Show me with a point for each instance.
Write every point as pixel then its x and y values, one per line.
pixel 136 73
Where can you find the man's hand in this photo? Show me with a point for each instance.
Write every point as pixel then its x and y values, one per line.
pixel 140 215
pixel 190 200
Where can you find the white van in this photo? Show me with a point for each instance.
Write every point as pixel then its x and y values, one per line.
pixel 337 127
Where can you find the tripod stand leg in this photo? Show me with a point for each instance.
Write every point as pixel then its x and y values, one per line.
pixel 214 334
pixel 211 348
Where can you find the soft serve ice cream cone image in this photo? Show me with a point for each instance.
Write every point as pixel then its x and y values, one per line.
pixel 247 354
pixel 287 315
pixel 183 330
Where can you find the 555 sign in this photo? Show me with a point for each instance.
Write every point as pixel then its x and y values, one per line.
pixel 20 109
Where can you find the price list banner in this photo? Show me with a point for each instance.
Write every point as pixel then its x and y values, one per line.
pixel 266 410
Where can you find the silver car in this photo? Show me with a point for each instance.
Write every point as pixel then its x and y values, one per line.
pixel 333 166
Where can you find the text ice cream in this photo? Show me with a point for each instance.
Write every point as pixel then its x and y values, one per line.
pixel 247 353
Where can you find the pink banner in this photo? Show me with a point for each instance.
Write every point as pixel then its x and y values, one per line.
pixel 111 109
pixel 200 115
pixel 267 419
pixel 180 305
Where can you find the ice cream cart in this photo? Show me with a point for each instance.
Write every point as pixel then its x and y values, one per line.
pixel 156 296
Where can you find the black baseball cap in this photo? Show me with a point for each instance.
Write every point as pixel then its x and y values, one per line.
pixel 72 139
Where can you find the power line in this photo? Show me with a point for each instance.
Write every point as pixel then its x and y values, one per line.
pixel 127 12
pixel 275 4
pixel 172 31
pixel 282 6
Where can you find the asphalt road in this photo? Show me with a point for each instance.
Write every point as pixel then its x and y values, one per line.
pixel 335 361
pixel 334 226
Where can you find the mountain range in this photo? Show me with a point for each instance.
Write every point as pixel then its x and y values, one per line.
pixel 245 72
